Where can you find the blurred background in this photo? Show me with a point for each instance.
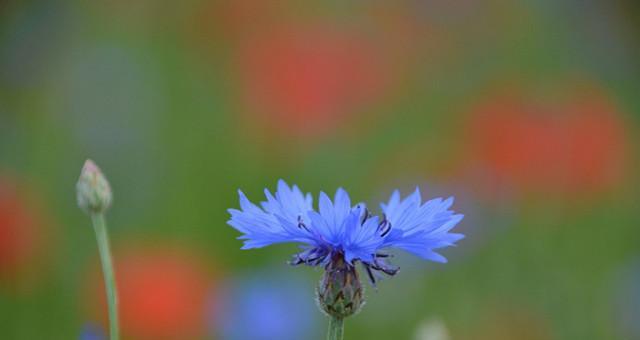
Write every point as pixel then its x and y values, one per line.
pixel 526 111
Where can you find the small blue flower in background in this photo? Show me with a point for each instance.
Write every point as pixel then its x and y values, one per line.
pixel 268 305
pixel 91 331
pixel 627 299
pixel 340 235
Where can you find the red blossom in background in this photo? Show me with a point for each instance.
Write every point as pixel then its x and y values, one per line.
pixel 306 80
pixel 163 294
pixel 575 145
pixel 303 73
pixel 21 228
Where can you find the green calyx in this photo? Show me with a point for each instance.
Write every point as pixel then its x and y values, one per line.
pixel 340 293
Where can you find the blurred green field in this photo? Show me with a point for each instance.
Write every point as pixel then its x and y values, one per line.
pixel 526 111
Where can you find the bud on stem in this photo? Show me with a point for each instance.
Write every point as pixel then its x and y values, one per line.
pixel 94 197
pixel 340 291
pixel 93 190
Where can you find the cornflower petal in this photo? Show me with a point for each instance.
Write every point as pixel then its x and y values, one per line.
pixel 421 227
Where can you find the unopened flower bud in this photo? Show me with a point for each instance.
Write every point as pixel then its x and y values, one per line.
pixel 93 190
pixel 340 292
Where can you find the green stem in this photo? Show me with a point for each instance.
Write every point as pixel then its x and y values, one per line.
pixel 100 227
pixel 336 329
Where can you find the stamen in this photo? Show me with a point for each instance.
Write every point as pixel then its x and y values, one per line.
pixel 296 261
pixel 301 224
pixel 372 278
pixel 315 260
pixel 388 271
pixel 384 227
pixel 365 217
pixel 383 267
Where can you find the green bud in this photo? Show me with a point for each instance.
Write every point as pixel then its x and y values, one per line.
pixel 93 190
pixel 340 293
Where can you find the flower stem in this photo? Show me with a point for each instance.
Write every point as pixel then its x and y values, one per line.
pixel 100 227
pixel 336 329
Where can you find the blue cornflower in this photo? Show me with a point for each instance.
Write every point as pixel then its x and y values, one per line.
pixel 92 331
pixel 338 235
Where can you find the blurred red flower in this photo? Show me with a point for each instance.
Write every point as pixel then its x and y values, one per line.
pixel 21 228
pixel 307 79
pixel 576 145
pixel 163 294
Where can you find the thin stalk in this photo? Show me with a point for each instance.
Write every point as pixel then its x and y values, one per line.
pixel 100 227
pixel 336 329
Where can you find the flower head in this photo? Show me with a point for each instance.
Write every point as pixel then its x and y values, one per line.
pixel 350 233
pixel 93 189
